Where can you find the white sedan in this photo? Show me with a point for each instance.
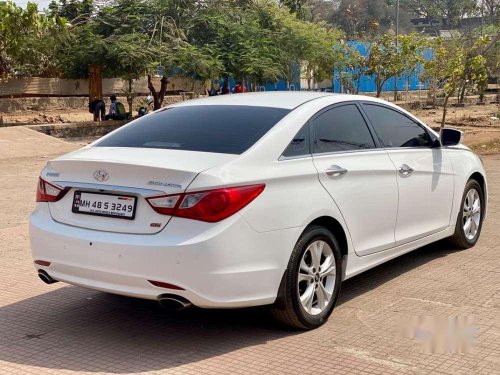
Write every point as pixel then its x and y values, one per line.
pixel 254 199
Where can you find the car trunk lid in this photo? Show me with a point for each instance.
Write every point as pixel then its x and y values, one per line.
pixel 123 175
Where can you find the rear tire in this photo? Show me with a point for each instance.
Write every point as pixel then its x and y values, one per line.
pixel 470 217
pixel 311 284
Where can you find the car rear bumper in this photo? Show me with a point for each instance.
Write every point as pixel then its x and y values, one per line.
pixel 225 264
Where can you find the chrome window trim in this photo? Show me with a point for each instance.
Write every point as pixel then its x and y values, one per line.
pixel 288 158
pixel 411 148
pixel 376 149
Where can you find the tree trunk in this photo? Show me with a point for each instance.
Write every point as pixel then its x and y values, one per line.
pixel 130 98
pixel 379 88
pixel 465 78
pixel 358 85
pixel 158 96
pixel 462 94
pixel 445 109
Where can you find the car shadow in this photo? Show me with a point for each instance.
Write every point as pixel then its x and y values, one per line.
pixel 379 275
pixel 76 329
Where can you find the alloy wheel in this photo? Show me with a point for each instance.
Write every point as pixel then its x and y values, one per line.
pixel 471 214
pixel 316 279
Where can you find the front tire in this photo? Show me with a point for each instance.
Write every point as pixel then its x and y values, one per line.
pixel 470 216
pixel 311 283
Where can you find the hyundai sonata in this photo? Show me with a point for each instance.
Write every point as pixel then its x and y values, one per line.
pixel 254 199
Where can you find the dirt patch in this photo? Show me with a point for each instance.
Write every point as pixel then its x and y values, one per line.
pixel 480 124
pixel 89 129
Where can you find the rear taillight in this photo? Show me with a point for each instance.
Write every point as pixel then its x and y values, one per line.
pixel 212 205
pixel 47 192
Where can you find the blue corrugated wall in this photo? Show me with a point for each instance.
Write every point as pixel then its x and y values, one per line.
pixel 367 83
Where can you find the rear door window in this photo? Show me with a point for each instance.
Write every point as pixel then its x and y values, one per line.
pixel 341 129
pixel 228 129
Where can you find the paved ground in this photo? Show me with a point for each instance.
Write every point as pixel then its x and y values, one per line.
pixel 66 329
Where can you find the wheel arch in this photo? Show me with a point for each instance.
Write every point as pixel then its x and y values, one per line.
pixel 481 180
pixel 337 230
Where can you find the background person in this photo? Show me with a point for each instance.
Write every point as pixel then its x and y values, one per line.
pixel 116 110
pixel 98 108
pixel 225 88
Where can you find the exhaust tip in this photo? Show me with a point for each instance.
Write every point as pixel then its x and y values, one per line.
pixel 173 302
pixel 45 277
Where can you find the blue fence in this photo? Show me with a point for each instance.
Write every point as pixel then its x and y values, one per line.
pixel 367 83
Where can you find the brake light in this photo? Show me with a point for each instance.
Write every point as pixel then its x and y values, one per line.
pixel 47 192
pixel 211 206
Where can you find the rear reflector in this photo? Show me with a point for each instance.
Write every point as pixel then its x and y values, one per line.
pixel 165 285
pixel 42 263
pixel 47 192
pixel 211 206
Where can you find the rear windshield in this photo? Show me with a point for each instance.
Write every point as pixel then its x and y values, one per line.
pixel 227 129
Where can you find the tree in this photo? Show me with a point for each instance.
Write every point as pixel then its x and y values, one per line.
pixel 352 67
pixel 445 69
pixel 128 57
pixel 299 7
pixel 492 8
pixel 479 75
pixel 305 44
pixel 450 12
pixel 76 11
pixel 368 18
pixel 24 51
pixel 322 52
pixel 450 69
pixel 385 60
pixel 477 42
pixel 198 63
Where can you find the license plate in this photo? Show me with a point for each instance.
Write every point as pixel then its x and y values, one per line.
pixel 109 205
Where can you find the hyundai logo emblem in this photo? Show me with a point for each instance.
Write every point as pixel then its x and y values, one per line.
pixel 101 175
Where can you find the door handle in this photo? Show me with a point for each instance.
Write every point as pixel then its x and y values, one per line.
pixel 336 171
pixel 405 170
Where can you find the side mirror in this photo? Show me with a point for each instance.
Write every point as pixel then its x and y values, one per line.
pixel 450 137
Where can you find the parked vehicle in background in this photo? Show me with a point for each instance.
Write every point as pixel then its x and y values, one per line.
pixel 254 199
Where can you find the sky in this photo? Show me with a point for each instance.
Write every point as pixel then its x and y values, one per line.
pixel 41 4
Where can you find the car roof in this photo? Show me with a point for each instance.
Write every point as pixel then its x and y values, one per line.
pixel 275 99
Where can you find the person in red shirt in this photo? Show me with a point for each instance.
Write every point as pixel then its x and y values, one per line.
pixel 239 88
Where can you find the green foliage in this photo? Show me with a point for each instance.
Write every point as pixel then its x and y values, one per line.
pixel 456 66
pixel 251 40
pixel 386 60
pixel 21 34
pixel 352 65
pixel 368 19
pixel 450 11
pixel 76 11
